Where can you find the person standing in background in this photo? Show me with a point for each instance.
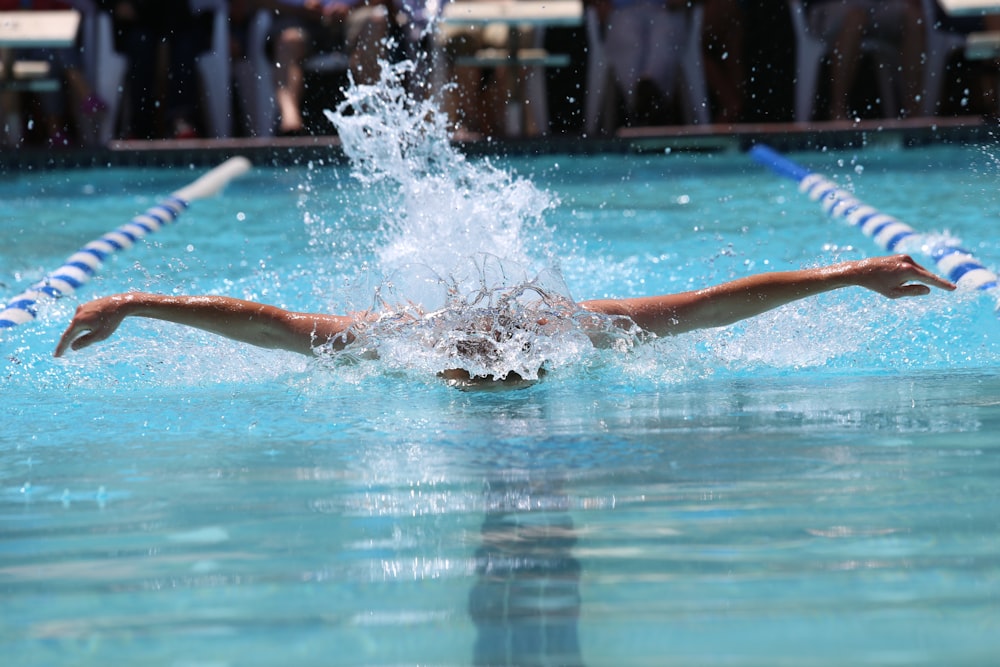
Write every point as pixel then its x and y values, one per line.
pixel 303 28
pixel 645 42
pixel 140 28
pixel 723 42
pixel 845 24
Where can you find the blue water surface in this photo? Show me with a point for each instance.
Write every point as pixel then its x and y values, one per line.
pixel 816 487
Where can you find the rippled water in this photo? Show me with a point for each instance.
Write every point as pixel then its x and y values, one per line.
pixel 815 487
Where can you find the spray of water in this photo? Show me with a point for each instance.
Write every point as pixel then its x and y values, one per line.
pixel 463 246
pixel 437 206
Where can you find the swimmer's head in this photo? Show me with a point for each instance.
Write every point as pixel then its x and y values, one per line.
pixel 492 345
pixel 461 379
pixel 494 339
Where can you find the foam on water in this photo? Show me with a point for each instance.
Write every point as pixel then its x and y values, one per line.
pixel 463 247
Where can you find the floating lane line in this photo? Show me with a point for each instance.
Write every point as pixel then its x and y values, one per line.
pixel 87 261
pixel 956 263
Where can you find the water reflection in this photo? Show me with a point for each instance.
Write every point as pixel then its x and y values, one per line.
pixel 526 600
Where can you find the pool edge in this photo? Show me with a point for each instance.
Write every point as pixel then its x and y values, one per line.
pixel 687 138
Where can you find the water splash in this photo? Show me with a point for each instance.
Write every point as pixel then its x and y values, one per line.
pixel 512 322
pixel 438 209
pixel 464 248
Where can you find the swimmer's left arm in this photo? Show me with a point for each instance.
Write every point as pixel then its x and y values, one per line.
pixel 245 321
pixel 894 277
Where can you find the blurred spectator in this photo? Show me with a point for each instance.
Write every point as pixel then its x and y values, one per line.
pixel 475 97
pixel 723 45
pixel 846 23
pixel 983 70
pixel 240 15
pixel 140 28
pixel 303 28
pixel 71 114
pixel 252 89
pixel 645 42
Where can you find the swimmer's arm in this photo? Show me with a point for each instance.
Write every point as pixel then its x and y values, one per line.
pixel 894 277
pixel 245 321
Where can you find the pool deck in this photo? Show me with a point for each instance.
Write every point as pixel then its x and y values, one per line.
pixel 687 138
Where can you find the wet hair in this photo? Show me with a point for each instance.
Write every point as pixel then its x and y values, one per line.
pixel 492 335
pixel 463 380
pixel 494 342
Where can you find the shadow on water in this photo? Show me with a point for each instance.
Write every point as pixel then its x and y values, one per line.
pixel 526 599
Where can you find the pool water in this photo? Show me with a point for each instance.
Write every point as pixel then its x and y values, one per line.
pixel 814 487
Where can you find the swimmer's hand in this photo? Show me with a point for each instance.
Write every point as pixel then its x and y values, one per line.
pixel 895 276
pixel 94 322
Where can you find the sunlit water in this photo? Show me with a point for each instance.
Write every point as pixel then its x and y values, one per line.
pixel 816 487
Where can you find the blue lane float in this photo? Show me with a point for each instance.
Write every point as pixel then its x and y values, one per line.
pixel 87 261
pixel 956 263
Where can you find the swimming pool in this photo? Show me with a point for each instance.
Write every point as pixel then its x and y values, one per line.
pixel 815 487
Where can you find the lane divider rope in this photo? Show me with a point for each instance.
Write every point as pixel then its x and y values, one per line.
pixel 87 261
pixel 956 263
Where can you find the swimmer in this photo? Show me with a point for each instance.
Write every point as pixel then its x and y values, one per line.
pixel 267 326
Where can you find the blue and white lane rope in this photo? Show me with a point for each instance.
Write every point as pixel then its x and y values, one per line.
pixel 87 261
pixel 956 263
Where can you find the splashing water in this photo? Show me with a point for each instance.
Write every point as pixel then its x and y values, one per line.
pixel 462 288
pixel 438 206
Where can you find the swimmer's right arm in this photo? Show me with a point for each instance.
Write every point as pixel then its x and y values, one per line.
pixel 893 276
pixel 245 321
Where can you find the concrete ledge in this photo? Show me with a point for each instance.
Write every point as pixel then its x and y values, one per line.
pixel 525 58
pixel 686 139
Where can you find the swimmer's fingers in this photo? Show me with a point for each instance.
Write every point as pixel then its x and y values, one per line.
pixel 69 338
pixel 77 339
pixel 932 279
pixel 899 276
pixel 80 335
pixel 93 322
pixel 920 283
pixel 64 342
pixel 909 289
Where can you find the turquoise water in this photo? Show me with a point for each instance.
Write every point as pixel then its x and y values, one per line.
pixel 815 487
